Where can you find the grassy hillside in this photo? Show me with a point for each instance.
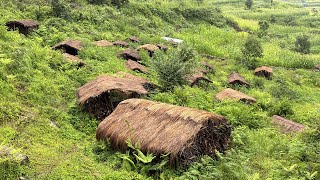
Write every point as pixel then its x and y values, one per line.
pixel 39 115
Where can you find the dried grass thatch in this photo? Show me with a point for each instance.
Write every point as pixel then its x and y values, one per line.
pixel 134 39
pixel 264 71
pixel 103 43
pixel 318 67
pixel 162 128
pixel 197 79
pixel 74 59
pixel 134 66
pixel 25 26
pixel 100 96
pixel 148 47
pixel 129 54
pixel 236 79
pixel 121 43
pixel 69 46
pixel 235 95
pixel 287 126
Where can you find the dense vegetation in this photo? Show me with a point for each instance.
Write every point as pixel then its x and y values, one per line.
pixel 39 115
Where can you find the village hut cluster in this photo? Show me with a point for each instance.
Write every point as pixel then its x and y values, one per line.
pixel 117 101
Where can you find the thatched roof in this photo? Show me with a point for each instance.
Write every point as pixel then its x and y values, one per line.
pixel 129 54
pixel 207 65
pixel 236 79
pixel 134 39
pixel 318 66
pixel 74 59
pixel 264 71
pixel 75 44
pixel 235 95
pixel 162 47
pixel 121 43
pixel 24 23
pixel 103 43
pixel 101 95
pixel 162 128
pixel 287 125
pixel 134 66
pixel 197 78
pixel 148 47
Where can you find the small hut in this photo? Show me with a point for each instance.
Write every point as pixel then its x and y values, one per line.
pixel 235 95
pixel 286 125
pixel 318 67
pixel 69 46
pixel 74 59
pixel 148 47
pixel 197 79
pixel 23 26
pixel 135 66
pixel 184 133
pixel 236 79
pixel 103 43
pixel 129 54
pixel 100 96
pixel 162 47
pixel 121 43
pixel 207 68
pixel 264 71
pixel 134 39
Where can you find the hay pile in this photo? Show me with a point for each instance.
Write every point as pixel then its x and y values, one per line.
pixel 69 46
pixel 162 128
pixel 236 79
pixel 235 95
pixel 101 96
pixel 134 66
pixel 103 43
pixel 286 125
pixel 264 71
pixel 121 43
pixel 197 78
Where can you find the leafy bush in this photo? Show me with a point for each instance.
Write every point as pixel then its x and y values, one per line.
pixel 59 9
pixel 173 69
pixel 263 27
pixel 302 44
pixel 249 4
pixel 281 108
pixel 251 50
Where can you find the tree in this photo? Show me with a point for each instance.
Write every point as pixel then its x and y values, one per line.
pixel 263 27
pixel 249 4
pixel 59 9
pixel 302 44
pixel 174 68
pixel 251 51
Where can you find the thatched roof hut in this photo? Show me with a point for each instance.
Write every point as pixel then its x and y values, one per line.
pixel 121 43
pixel 134 66
pixel 197 79
pixel 235 95
pixel 236 79
pixel 103 43
pixel 69 46
pixel 100 96
pixel 148 47
pixel 318 66
pixel 286 125
pixel 74 59
pixel 129 54
pixel 134 39
pixel 25 26
pixel 162 47
pixel 162 128
pixel 264 71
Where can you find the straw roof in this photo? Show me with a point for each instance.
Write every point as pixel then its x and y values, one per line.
pixel 235 95
pixel 162 128
pixel 263 71
pixel 103 43
pixel 24 23
pixel 287 125
pixel 129 54
pixel 134 66
pixel 74 59
pixel 75 44
pixel 197 78
pixel 121 43
pixel 162 47
pixel 149 47
pixel 134 39
pixel 236 79
pixel 318 66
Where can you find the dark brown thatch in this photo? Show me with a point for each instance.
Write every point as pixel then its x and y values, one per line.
pixel 101 95
pixel 121 43
pixel 287 125
pixel 148 47
pixel 134 39
pixel 264 71
pixel 198 78
pixel 161 128
pixel 134 66
pixel 210 57
pixel 24 26
pixel 69 46
pixel 235 95
pixel 74 59
pixel 129 54
pixel 236 79
pixel 103 43
pixel 162 47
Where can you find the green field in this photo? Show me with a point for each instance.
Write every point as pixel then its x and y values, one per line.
pixel 40 117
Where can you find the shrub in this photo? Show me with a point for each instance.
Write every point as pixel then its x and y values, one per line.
pixel 281 108
pixel 249 4
pixel 263 27
pixel 172 69
pixel 303 44
pixel 59 9
pixel 250 52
